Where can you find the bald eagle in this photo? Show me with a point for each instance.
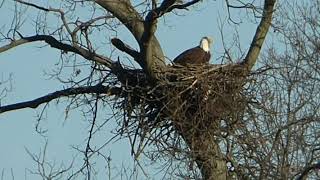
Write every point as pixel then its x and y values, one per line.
pixel 197 55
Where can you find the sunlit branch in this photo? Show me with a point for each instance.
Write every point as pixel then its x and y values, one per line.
pixel 124 12
pixel 260 34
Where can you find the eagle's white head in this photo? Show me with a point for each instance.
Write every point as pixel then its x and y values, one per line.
pixel 205 43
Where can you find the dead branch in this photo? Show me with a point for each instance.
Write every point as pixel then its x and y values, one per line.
pixel 98 89
pixel 125 48
pixel 53 42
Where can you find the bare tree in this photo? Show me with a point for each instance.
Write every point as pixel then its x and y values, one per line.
pixel 222 121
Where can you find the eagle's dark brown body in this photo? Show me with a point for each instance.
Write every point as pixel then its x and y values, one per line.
pixel 197 55
pixel 194 55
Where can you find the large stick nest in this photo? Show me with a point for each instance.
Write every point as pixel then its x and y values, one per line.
pixel 183 98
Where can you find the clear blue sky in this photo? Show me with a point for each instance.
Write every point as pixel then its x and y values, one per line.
pixel 28 63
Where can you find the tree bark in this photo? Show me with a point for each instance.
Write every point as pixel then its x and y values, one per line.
pixel 260 35
pixel 207 155
pixel 125 12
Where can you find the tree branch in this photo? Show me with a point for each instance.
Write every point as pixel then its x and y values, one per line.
pixel 162 9
pixel 306 171
pixel 59 45
pixel 125 12
pixel 150 27
pixel 182 6
pixel 260 35
pixel 98 89
pixel 151 56
pixel 125 48
pixel 50 9
pixel 169 5
pixel 34 5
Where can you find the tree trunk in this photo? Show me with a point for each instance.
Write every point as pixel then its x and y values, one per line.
pixel 206 153
pixel 208 157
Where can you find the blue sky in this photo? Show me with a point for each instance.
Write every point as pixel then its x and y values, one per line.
pixel 27 65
